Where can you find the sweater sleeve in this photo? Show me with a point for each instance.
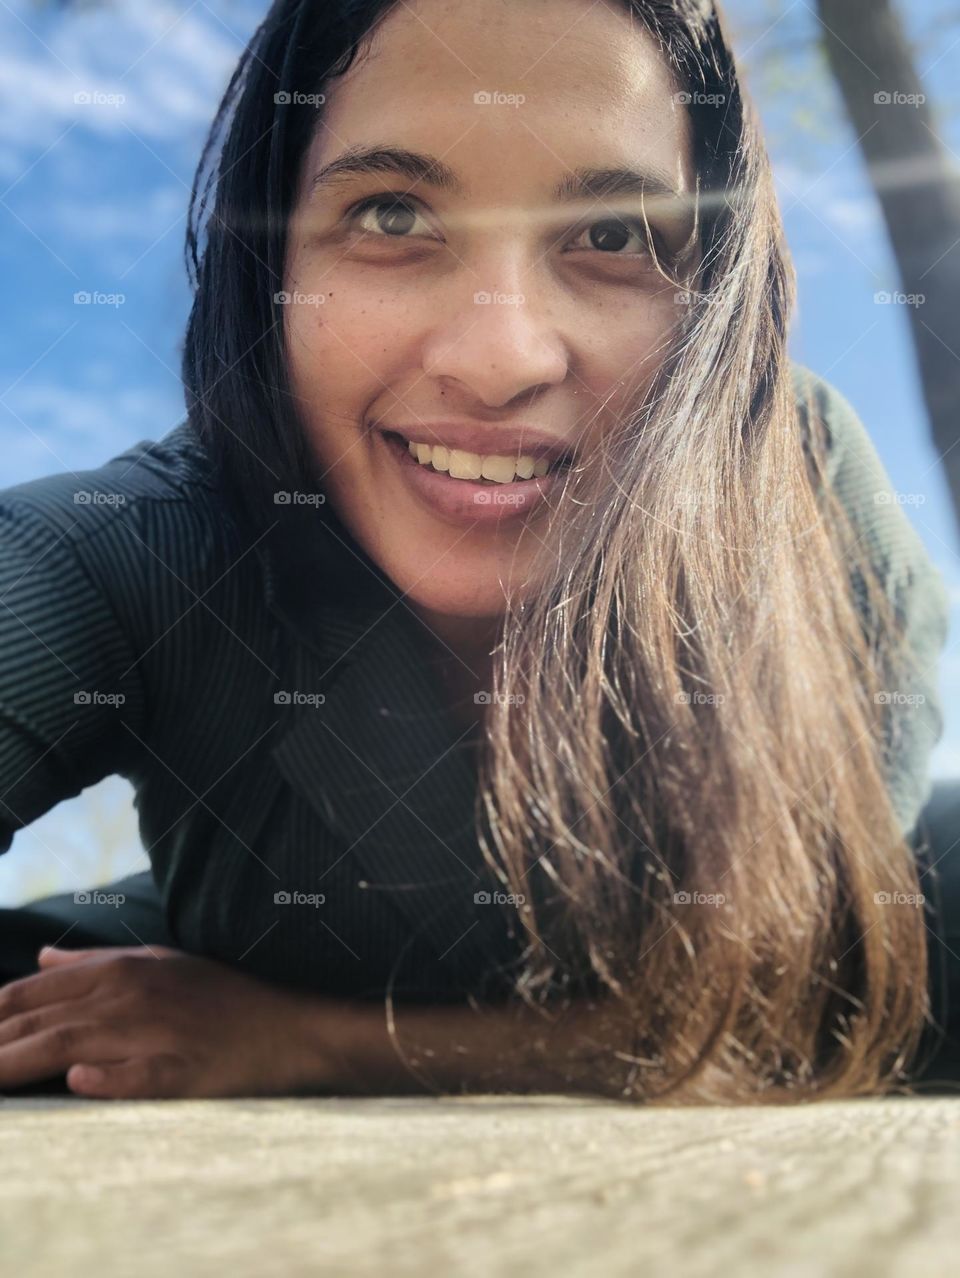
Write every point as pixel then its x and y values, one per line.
pixel 69 680
pixel 910 579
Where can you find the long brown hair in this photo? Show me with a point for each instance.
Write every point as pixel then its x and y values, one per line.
pixel 684 771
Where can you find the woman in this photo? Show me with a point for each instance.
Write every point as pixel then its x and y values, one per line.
pixel 526 677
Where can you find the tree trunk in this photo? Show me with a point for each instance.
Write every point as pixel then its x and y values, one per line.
pixel 919 191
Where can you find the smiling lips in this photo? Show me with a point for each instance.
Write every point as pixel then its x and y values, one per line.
pixel 464 487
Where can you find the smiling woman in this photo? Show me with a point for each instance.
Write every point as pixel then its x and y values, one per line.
pixel 492 429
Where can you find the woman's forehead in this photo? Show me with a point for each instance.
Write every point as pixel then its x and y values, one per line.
pixel 566 52
pixel 510 95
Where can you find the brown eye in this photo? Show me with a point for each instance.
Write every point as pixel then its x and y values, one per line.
pixel 612 234
pixel 392 218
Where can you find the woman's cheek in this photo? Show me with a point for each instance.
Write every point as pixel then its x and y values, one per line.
pixel 634 356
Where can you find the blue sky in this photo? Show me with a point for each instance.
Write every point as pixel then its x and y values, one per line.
pixel 93 199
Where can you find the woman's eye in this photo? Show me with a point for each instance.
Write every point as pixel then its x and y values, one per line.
pixel 389 217
pixel 611 235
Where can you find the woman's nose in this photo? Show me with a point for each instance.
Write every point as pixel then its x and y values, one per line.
pixel 497 344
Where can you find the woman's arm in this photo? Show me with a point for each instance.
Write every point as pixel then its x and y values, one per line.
pixel 361 1048
pixel 69 677
pixel 154 1021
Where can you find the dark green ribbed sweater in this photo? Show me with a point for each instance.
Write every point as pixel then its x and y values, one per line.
pixel 140 636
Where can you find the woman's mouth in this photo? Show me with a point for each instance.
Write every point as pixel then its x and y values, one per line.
pixel 464 487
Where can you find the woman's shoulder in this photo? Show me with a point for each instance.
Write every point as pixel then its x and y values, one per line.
pixel 914 584
pixel 156 499
pixel 840 430
pixel 856 473
pixel 137 542
pixel 174 469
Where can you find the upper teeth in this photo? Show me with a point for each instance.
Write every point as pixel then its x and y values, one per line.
pixel 462 465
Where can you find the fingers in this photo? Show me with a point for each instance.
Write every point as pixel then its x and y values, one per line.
pixel 50 955
pixel 53 1049
pixel 52 985
pixel 84 1078
pixel 37 1020
pixel 138 1078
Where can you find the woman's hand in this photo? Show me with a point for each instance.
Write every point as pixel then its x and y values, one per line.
pixel 151 1021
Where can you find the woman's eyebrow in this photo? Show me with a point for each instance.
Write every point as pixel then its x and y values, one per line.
pixel 362 161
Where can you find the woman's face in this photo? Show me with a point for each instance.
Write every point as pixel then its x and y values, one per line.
pixel 478 306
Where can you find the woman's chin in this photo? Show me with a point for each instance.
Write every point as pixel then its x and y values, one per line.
pixel 452 605
pixel 452 597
